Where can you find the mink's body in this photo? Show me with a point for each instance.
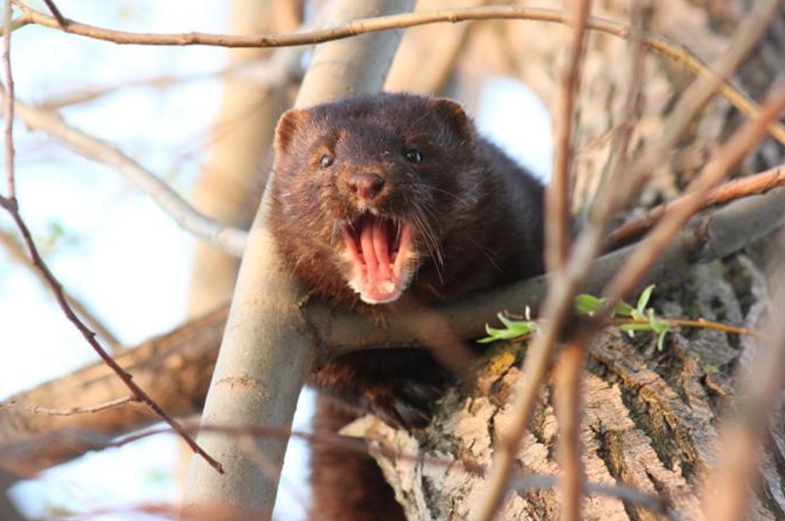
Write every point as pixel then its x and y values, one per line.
pixel 374 197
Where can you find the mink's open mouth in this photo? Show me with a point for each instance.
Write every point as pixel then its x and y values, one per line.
pixel 379 249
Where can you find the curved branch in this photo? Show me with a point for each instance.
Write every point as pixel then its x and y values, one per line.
pixel 761 183
pixel 674 52
pixel 231 240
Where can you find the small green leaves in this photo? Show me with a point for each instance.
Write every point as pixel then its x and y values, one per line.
pixel 589 304
pixel 661 327
pixel 643 300
pixel 513 329
pixel 638 318
pixel 624 310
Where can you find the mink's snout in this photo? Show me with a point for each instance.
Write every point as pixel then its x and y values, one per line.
pixel 366 186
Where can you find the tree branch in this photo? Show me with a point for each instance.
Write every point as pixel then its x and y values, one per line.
pixel 675 52
pixel 8 103
pixel 227 238
pixel 633 230
pixel 557 195
pixel 11 206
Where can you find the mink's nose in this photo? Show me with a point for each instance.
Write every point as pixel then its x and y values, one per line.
pixel 366 186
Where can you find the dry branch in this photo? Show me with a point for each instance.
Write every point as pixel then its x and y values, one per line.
pixel 761 183
pixel 557 197
pixel 8 103
pixel 675 52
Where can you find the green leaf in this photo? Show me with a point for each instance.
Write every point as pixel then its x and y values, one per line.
pixel 513 329
pixel 624 309
pixel 659 326
pixel 588 304
pixel 643 300
pixel 661 340
pixel 515 324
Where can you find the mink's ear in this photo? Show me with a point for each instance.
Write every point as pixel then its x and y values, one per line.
pixel 287 128
pixel 453 113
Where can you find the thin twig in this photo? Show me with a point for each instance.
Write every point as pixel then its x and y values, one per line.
pixel 8 102
pixel 760 183
pixel 521 482
pixel 700 323
pixel 12 208
pixel 569 410
pixel 56 13
pixel 674 52
pixel 557 199
pixel 557 233
pixel 37 409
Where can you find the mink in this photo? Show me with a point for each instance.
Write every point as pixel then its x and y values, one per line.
pixel 379 196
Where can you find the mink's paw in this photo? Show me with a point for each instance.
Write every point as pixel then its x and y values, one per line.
pixel 406 404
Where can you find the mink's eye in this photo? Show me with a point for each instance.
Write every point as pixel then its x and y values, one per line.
pixel 326 161
pixel 413 155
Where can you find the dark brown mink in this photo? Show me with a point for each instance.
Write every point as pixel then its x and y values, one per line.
pixel 378 196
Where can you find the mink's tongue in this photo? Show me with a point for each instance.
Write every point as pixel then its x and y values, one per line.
pixel 378 248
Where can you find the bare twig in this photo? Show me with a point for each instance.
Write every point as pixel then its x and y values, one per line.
pixel 742 141
pixel 227 238
pixel 557 200
pixel 8 103
pixel 12 208
pixel 569 408
pixel 557 234
pixel 36 409
pixel 672 51
pixel 17 253
pixel 760 183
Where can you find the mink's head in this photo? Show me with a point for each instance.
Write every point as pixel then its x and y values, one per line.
pixel 364 189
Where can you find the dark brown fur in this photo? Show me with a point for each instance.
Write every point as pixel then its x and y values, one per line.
pixel 480 224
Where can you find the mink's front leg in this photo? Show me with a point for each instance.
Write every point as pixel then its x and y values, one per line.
pixel 400 386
